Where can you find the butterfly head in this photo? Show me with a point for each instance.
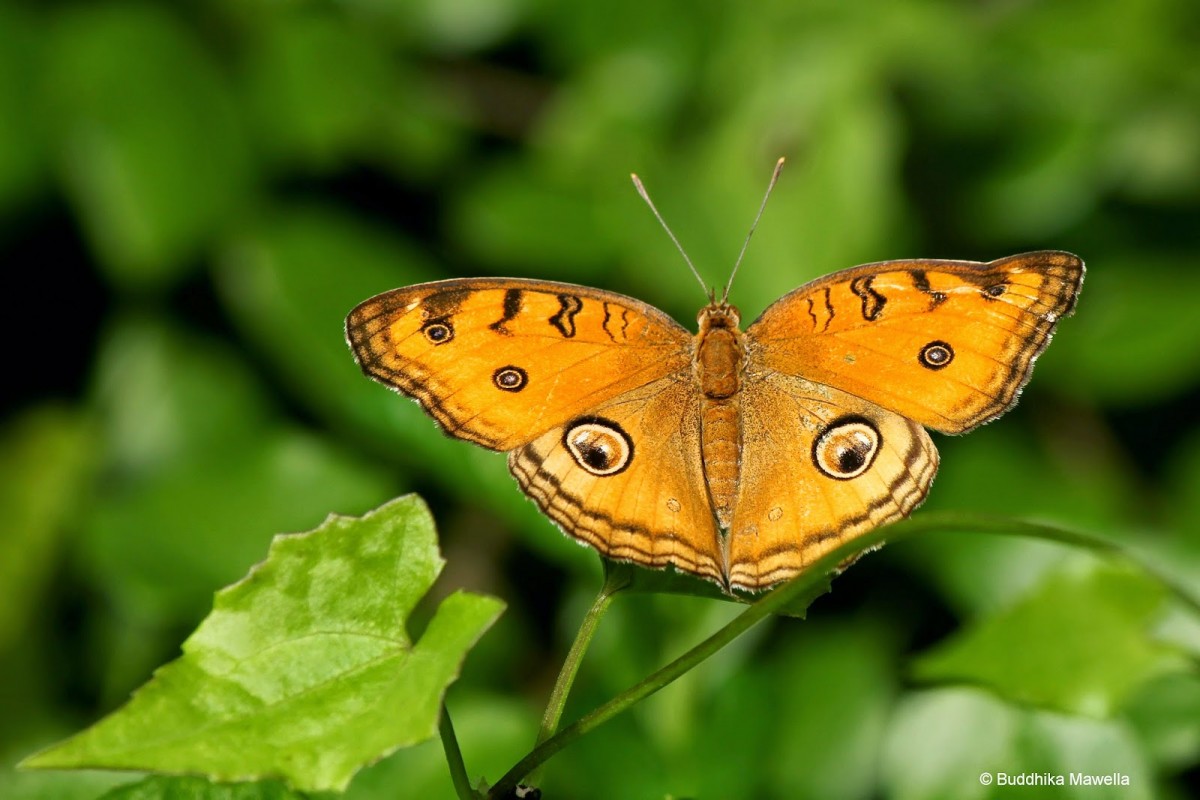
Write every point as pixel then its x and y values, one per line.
pixel 718 314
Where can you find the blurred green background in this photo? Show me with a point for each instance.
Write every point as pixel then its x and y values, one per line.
pixel 194 194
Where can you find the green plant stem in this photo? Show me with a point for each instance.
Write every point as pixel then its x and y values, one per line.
pixel 796 588
pixel 982 523
pixel 458 770
pixel 614 582
pixel 680 666
pixel 570 667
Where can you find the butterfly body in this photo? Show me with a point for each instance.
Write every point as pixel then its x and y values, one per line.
pixel 718 361
pixel 738 456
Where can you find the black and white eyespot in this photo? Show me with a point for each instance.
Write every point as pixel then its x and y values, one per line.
pixel 510 378
pixel 846 448
pixel 995 290
pixel 599 445
pixel 438 331
pixel 936 355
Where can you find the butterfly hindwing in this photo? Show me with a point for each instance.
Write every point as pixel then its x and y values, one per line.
pixel 626 478
pixel 824 466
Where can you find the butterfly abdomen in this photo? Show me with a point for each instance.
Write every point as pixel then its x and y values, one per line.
pixel 720 451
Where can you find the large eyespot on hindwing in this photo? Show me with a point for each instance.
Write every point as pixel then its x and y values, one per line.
pixel 936 355
pixel 510 378
pixel 846 448
pixel 599 445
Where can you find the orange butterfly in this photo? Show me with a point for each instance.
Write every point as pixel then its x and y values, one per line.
pixel 738 456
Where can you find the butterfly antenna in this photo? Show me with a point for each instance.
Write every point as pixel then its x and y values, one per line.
pixel 745 244
pixel 641 189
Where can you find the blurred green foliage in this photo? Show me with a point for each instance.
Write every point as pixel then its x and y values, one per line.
pixel 193 195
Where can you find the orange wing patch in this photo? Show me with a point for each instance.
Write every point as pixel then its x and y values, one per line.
pixel 948 344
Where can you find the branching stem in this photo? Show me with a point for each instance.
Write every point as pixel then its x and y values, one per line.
pixel 780 597
pixel 458 770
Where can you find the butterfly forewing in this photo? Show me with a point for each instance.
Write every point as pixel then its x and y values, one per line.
pixel 948 344
pixel 500 361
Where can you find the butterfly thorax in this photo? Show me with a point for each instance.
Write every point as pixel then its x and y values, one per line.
pixel 719 361
pixel 719 352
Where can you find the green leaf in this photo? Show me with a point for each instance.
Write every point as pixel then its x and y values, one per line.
pixel 165 394
pixel 22 141
pixel 79 785
pixel 45 458
pixel 192 788
pixel 517 214
pixel 1079 643
pixel 315 81
pixel 1109 355
pixel 289 284
pixel 147 139
pixel 1002 469
pixel 304 670
pixel 1165 713
pixel 833 690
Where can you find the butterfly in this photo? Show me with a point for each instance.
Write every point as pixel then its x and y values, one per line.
pixel 737 456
